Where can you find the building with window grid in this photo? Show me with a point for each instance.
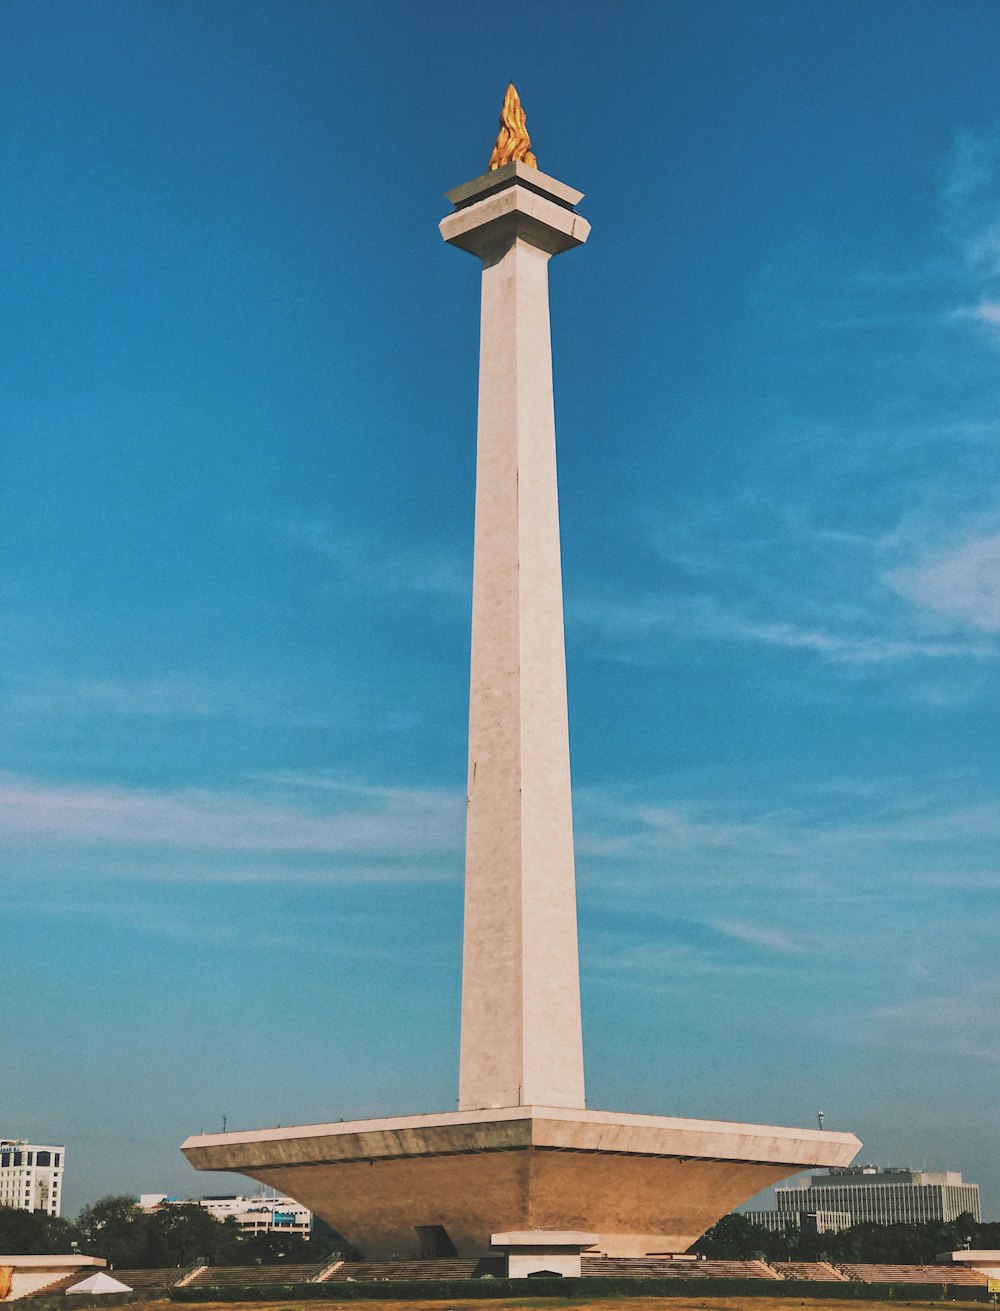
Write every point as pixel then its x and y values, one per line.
pixel 807 1222
pixel 884 1197
pixel 31 1176
pixel 262 1214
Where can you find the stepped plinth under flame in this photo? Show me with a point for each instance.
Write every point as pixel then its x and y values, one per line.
pixel 521 1153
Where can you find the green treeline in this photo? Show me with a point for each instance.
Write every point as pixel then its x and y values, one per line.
pixel 735 1238
pixel 130 1238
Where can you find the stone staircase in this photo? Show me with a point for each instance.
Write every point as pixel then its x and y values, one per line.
pixel 913 1274
pixel 821 1272
pixel 656 1267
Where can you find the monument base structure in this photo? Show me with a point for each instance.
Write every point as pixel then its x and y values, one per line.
pixel 642 1184
pixel 521 1156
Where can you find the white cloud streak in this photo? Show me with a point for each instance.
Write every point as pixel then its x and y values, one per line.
pixel 165 697
pixel 868 540
pixel 359 562
pixel 357 821
pixel 631 630
pixel 910 838
pixel 986 312
pixel 954 1023
pixel 758 935
pixel 963 583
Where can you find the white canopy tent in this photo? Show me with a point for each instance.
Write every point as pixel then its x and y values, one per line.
pixel 100 1282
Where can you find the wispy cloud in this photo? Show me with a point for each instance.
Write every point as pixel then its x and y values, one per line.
pixel 864 537
pixel 684 894
pixel 867 540
pixel 969 205
pixel 345 935
pixel 963 582
pixel 958 1023
pixel 165 697
pixel 633 631
pixel 352 820
pixel 986 311
pixel 664 965
pixel 364 563
pixel 919 834
pixel 760 935
pixel 971 208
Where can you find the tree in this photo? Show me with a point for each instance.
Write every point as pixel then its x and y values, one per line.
pixel 274 1247
pixel 34 1233
pixel 182 1233
pixel 733 1238
pixel 117 1229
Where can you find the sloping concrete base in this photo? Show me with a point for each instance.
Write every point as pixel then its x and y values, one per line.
pixel 642 1183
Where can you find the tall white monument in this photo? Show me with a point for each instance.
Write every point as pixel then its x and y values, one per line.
pixel 521 1153
pixel 521 1035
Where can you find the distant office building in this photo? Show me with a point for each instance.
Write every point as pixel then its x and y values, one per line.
pixel 31 1176
pixel 262 1215
pixel 807 1222
pixel 883 1197
pixel 254 1215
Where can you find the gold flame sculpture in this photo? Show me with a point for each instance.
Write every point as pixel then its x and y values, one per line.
pixel 513 143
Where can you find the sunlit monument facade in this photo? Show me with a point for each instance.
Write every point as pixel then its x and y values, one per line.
pixel 522 1159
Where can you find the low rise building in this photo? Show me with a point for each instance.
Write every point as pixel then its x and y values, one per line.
pixel 31 1176
pixel 262 1214
pixel 808 1222
pixel 886 1197
pixel 22 1276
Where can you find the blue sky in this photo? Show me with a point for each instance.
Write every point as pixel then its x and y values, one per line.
pixel 238 369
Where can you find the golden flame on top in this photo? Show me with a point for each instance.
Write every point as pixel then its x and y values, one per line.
pixel 513 143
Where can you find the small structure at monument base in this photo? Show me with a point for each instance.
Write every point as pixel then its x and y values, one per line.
pixel 986 1260
pixel 543 1252
pixel 100 1283
pixel 20 1276
pixel 642 1184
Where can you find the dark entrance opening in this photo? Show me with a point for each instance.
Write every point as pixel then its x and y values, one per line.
pixel 434 1241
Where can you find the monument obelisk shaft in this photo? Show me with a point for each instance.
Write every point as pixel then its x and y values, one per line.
pixel 521 1033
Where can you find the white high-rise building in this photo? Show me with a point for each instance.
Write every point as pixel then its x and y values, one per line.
pixel 884 1197
pixel 31 1176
